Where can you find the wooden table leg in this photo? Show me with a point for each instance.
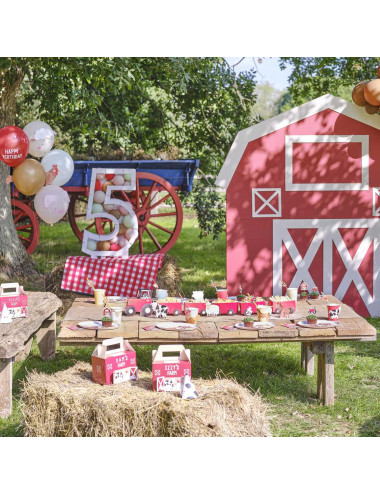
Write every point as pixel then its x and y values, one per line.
pixel 5 387
pixel 307 359
pixel 328 374
pixel 45 337
pixel 325 352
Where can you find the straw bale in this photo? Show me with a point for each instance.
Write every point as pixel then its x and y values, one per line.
pixel 69 403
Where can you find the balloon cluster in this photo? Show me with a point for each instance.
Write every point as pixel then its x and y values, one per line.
pixel 31 177
pixel 367 94
pixel 127 222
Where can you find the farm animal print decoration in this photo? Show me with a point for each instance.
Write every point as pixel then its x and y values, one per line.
pixel 107 204
pixel 159 311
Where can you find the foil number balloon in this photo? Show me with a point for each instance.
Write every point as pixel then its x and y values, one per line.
pixel 102 205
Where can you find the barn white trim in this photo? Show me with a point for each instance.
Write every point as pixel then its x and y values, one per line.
pixel 283 120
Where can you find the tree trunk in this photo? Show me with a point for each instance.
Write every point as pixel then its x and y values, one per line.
pixel 14 260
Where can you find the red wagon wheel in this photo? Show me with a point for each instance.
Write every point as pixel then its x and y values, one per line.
pixel 159 217
pixel 77 215
pixel 26 223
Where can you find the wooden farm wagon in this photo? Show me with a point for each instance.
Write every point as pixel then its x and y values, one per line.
pixel 303 203
pixel 153 211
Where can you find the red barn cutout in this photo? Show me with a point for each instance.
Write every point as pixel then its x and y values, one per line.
pixel 303 203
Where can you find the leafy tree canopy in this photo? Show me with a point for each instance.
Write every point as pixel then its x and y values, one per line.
pixel 314 77
pixel 138 107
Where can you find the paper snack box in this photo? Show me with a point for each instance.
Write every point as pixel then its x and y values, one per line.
pixel 13 296
pixel 168 371
pixel 114 361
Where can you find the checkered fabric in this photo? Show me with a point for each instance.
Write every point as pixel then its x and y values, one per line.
pixel 116 275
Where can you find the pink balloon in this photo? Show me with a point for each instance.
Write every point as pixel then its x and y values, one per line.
pixel 123 210
pixel 118 180
pixel 100 176
pixel 115 247
pixel 51 203
pixel 114 240
pixel 122 242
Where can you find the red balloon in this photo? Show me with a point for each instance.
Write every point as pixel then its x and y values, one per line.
pixel 98 185
pixel 109 176
pixel 115 247
pixel 14 145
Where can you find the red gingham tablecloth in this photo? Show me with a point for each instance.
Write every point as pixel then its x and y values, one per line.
pixel 116 275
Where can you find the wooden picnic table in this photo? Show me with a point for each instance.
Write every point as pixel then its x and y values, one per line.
pixel 210 331
pixel 16 339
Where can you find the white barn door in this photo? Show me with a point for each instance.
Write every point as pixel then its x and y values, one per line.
pixel 328 234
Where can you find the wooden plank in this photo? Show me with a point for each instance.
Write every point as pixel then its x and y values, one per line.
pixel 315 332
pixel 68 334
pixel 5 387
pixel 346 312
pixel 355 327
pixel 328 375
pixel 303 355
pixel 128 330
pixel 206 331
pixel 23 354
pixel 234 334
pixel 309 361
pixel 13 336
pixel 320 375
pixel 278 332
pixel 159 334
pixel 45 338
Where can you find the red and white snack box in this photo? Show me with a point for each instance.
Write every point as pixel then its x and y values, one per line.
pixel 114 361
pixel 276 308
pixel 168 372
pixel 13 296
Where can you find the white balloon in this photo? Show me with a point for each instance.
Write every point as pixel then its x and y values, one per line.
pixel 51 203
pixel 64 162
pixel 41 138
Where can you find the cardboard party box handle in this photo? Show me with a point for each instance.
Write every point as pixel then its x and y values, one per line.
pixel 113 344
pixel 169 349
pixel 11 289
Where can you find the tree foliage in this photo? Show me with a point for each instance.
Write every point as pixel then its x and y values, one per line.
pixel 139 107
pixel 312 77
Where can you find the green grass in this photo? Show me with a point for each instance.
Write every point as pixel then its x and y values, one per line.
pixel 274 369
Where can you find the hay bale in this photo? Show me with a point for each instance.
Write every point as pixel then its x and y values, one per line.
pixel 169 276
pixel 69 403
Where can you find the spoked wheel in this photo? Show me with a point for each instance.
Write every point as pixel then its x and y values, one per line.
pixel 26 223
pixel 77 216
pixel 158 210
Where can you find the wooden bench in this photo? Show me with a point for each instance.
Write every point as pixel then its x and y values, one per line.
pixel 16 339
pixel 210 331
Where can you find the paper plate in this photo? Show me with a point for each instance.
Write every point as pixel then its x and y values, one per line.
pixel 176 326
pixel 321 323
pixel 95 325
pixel 256 325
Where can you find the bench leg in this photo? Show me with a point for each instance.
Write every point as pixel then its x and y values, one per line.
pixel 307 359
pixel 46 338
pixel 25 353
pixel 5 387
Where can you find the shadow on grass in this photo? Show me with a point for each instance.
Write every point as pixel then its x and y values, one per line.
pixel 370 428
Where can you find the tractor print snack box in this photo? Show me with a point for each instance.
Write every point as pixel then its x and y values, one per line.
pixel 113 362
pixel 169 371
pixel 13 296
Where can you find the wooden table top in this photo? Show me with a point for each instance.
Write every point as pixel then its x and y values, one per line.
pixel 41 305
pixel 210 329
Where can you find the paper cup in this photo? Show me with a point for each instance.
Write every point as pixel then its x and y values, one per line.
pixel 333 312
pixel 116 315
pixel 222 293
pixel 99 294
pixel 292 293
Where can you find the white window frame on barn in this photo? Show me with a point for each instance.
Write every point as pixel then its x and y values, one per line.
pixel 293 139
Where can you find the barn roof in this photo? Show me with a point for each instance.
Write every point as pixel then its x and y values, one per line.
pixel 283 120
